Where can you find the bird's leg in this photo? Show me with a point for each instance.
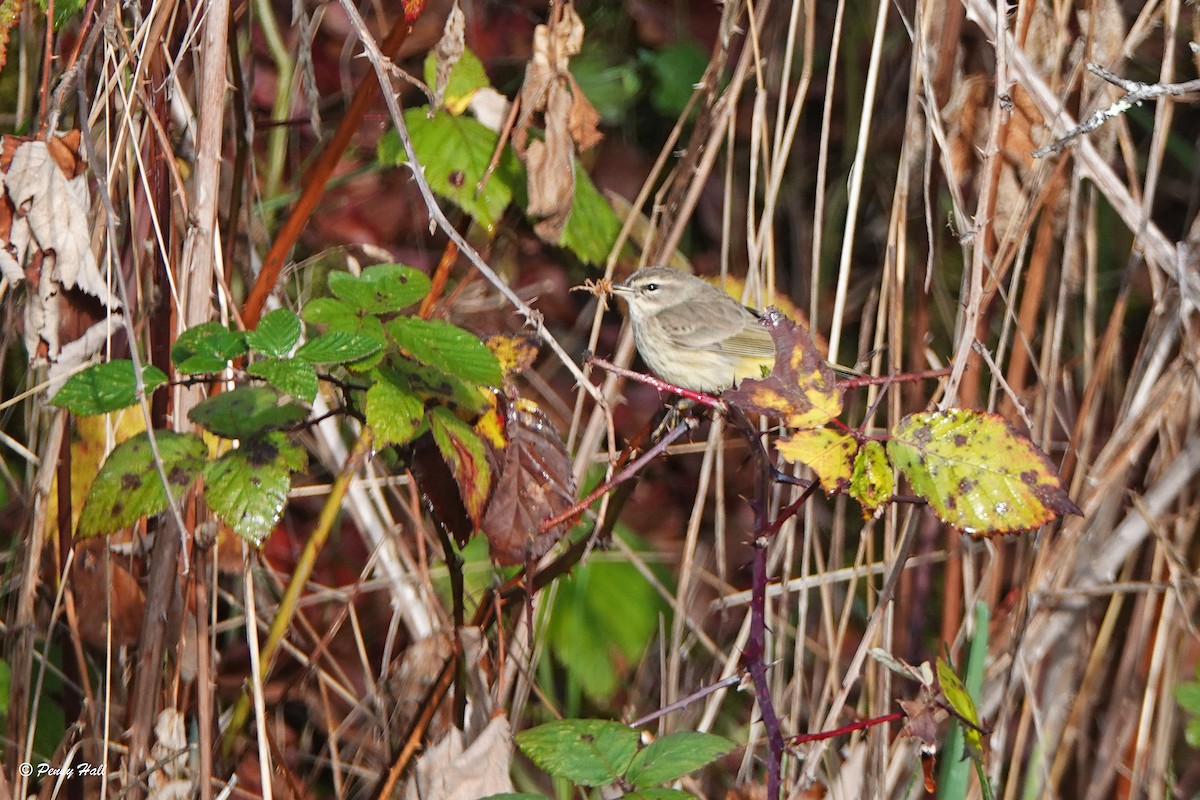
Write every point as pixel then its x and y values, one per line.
pixel 676 412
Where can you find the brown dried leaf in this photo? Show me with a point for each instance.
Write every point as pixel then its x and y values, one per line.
pixel 583 121
pixel 449 772
pixel 922 723
pixel 53 213
pixel 410 677
pixel 535 483
pixel 550 165
pixel 569 121
pixel 105 591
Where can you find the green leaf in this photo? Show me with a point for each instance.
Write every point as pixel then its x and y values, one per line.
pixel 277 333
pixel 872 483
pixel 1188 696
pixel 248 487
pixel 381 288
pixel 341 318
pixel 1192 733
pixel 245 412
pixel 611 85
pixel 289 376
pixel 5 685
pixel 960 700
pixel 128 486
pixel 827 452
pixel 657 794
pixel 464 454
pixel 602 619
pixel 394 414
pixel 207 347
pixel 592 227
pixel 337 315
pixel 447 347
pixel 337 347
pixel 674 756
pixel 590 752
pixel 63 10
pixel 976 472
pixel 455 153
pixel 102 388
pixel 467 77
pixel 674 70
pixel 431 383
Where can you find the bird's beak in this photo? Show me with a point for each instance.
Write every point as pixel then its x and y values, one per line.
pixel 620 288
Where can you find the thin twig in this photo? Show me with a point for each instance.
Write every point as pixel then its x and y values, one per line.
pixel 616 480
pixel 1136 93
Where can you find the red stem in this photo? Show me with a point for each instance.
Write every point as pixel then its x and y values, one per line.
pixel 851 728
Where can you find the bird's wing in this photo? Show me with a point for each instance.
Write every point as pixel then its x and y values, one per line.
pixel 752 341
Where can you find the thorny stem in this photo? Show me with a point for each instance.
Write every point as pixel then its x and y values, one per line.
pixel 845 729
pixel 616 480
pixel 754 658
pixel 658 383
pixel 883 380
pixel 684 702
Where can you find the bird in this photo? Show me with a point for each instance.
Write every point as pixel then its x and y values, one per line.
pixel 693 334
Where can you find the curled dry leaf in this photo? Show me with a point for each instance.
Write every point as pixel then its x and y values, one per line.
pixel 452 771
pixel 170 777
pixel 570 123
pixel 551 167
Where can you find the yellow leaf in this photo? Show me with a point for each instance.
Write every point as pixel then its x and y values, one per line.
pixel 829 453
pixel 976 472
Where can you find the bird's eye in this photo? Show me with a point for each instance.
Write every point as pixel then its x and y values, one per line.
pixel 651 287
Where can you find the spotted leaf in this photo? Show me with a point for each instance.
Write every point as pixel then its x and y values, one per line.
pixel 534 483
pixel 872 483
pixel 976 472
pixel 248 487
pixel 129 486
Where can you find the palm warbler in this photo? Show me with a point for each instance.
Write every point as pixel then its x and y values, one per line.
pixel 692 334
